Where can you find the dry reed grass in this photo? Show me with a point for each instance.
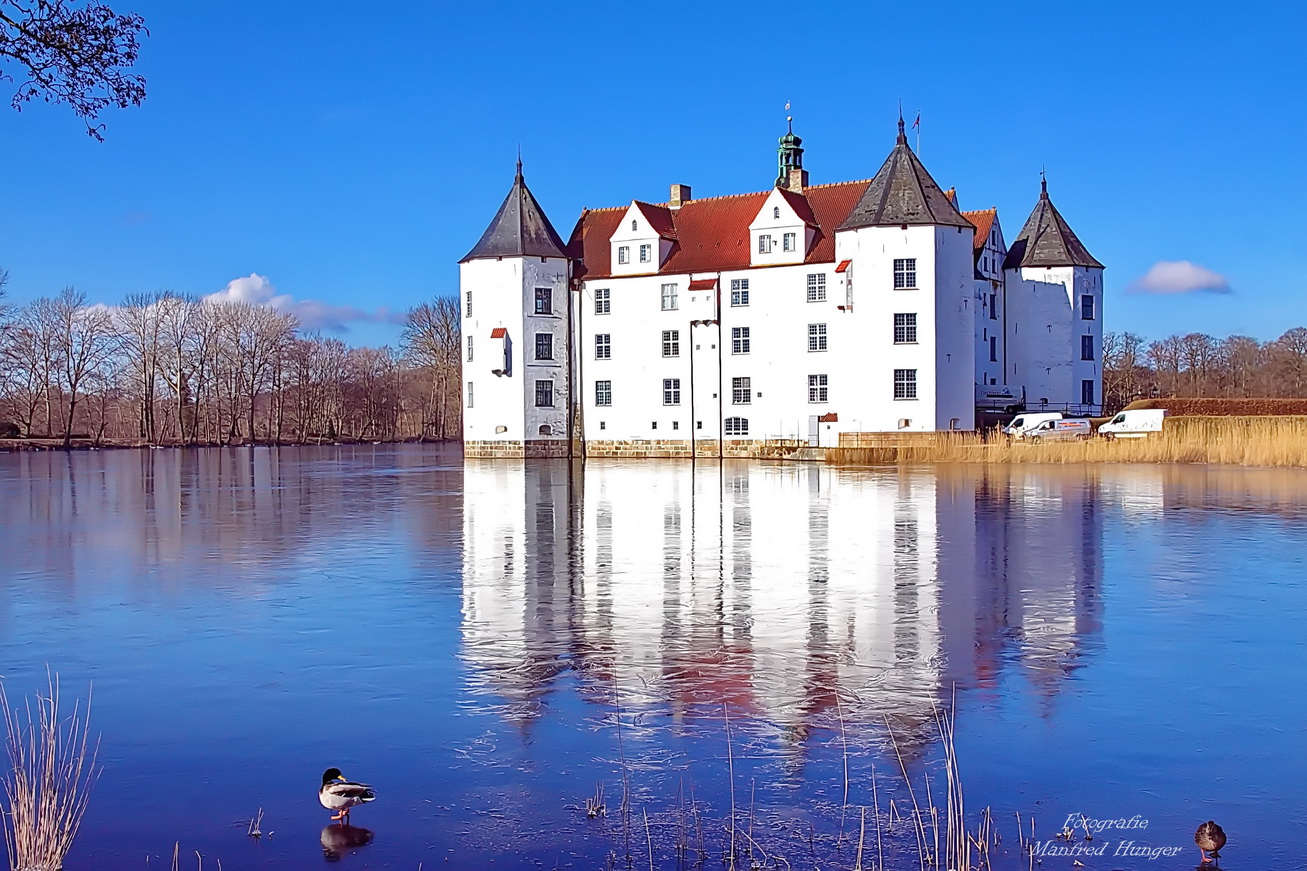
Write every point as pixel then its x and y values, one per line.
pixel 1240 441
pixel 52 769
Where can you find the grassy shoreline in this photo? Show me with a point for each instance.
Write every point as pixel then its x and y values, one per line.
pixel 1268 441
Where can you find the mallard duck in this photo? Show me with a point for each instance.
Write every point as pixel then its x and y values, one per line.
pixel 338 794
pixel 1210 838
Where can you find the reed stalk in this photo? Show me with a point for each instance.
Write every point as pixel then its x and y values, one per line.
pixel 53 766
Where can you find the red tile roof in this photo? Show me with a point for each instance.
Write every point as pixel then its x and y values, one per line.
pixel 829 417
pixel 498 332
pixel 984 220
pixel 703 284
pixel 801 206
pixel 659 218
pixel 713 234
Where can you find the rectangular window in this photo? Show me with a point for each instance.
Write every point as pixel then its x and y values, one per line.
pixel 739 340
pixel 816 337
pixel 602 301
pixel 817 388
pixel 544 301
pixel 737 426
pixel 788 242
pixel 469 394
pixel 993 349
pixel 544 346
pixel 905 383
pixel 905 328
pixel 1087 392
pixel 817 287
pixel 603 393
pixel 764 244
pixel 544 394
pixel 1087 307
pixel 741 391
pixel 671 343
pixel 646 253
pixel 623 254
pixel 603 346
pixel 905 273
pixel 993 306
pixel 739 291
pixel 467 306
pixel 671 391
pixel 669 297
pixel 469 347
pixel 1086 347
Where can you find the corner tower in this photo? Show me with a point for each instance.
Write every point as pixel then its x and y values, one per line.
pixel 516 339
pixel 1055 314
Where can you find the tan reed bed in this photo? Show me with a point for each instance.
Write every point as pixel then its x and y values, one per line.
pixel 1271 441
pixel 52 769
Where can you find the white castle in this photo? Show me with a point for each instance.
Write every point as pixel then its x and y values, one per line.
pixel 756 323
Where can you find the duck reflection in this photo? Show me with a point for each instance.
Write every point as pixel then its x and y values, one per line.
pixel 777 589
pixel 339 838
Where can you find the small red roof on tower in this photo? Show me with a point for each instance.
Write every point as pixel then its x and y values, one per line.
pixel 499 332
pixel 984 221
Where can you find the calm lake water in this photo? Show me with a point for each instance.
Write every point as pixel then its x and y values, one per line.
pixel 491 643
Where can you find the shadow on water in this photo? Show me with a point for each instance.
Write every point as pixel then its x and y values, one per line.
pixel 341 838
pixel 495 643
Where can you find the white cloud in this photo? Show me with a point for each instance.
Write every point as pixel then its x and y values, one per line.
pixel 1179 276
pixel 313 314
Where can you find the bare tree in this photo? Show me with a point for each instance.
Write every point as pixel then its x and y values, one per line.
pixel 71 53
pixel 86 342
pixel 140 325
pixel 432 339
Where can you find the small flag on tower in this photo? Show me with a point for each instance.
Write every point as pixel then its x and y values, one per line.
pixel 917 123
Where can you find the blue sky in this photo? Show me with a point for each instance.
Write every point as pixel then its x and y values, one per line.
pixel 349 154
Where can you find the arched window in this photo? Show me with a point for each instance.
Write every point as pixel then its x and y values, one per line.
pixel 634 226
pixel 738 426
pixel 776 212
pixel 545 429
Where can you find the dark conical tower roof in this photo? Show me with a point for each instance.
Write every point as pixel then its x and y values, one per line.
pixel 1047 240
pixel 903 193
pixel 520 228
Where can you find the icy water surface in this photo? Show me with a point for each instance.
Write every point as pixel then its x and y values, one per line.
pixel 492 644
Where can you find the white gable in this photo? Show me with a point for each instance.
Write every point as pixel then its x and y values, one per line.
pixel 637 248
pixel 778 235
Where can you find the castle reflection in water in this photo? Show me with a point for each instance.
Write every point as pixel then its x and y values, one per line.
pixel 775 588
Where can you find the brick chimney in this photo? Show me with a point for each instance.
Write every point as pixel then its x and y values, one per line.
pixel 679 196
pixel 798 180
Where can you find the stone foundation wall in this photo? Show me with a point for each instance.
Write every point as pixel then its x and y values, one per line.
pixel 532 449
pixel 637 449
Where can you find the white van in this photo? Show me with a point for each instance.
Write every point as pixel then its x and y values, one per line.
pixel 1023 423
pixel 1133 424
pixel 1059 430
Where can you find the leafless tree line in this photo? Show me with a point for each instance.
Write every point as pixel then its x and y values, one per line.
pixel 162 368
pixel 1199 365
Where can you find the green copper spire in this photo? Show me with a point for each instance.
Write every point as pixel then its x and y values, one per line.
pixel 789 156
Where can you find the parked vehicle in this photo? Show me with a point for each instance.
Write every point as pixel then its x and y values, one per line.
pixel 1059 430
pixel 1133 424
pixel 1023 423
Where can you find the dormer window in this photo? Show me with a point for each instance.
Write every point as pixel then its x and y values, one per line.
pixel 623 254
pixel 788 242
pixel 764 244
pixel 646 253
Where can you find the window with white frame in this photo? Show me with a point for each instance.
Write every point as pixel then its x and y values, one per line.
pixel 817 388
pixel 788 242
pixel 905 273
pixel 764 244
pixel 603 301
pixel 1086 347
pixel 469 394
pixel 544 394
pixel 739 340
pixel 544 301
pixel 1087 307
pixel 816 337
pixel 544 346
pixel 603 346
pixel 741 391
pixel 905 383
pixel 905 328
pixel 817 287
pixel 603 393
pixel 469 347
pixel 671 391
pixel 467 306
pixel 671 343
pixel 736 426
pixel 669 297
pixel 646 253
pixel 1087 392
pixel 623 254
pixel 739 291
